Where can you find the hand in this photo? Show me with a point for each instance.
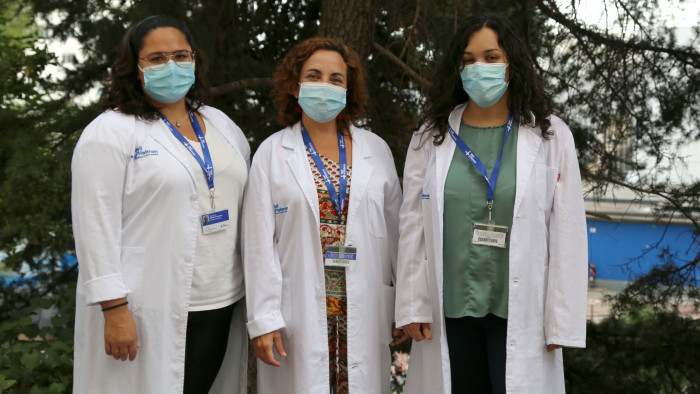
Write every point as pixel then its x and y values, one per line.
pixel 120 331
pixel 418 331
pixel 552 347
pixel 399 335
pixel 263 347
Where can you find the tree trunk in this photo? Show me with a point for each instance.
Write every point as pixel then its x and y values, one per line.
pixel 350 21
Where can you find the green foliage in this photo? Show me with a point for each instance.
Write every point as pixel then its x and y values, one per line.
pixel 38 359
pixel 648 351
pixel 23 59
pixel 35 183
pixel 634 90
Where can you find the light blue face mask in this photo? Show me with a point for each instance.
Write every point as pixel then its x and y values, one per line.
pixel 169 84
pixel 484 82
pixel 321 101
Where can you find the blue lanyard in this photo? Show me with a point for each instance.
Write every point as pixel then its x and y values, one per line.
pixel 338 203
pixel 206 164
pixel 491 181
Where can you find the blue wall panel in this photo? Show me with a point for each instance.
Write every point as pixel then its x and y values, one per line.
pixel 615 247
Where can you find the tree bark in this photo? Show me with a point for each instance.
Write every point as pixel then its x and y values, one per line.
pixel 350 21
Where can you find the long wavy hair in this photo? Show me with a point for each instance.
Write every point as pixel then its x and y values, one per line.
pixel 526 92
pixel 122 88
pixel 286 79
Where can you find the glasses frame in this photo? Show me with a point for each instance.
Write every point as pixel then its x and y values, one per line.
pixel 170 56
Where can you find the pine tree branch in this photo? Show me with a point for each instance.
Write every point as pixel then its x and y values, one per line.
pixel 548 8
pixel 240 85
pixel 651 191
pixel 412 30
pixel 395 59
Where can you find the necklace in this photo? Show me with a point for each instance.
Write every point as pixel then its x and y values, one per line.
pixel 178 123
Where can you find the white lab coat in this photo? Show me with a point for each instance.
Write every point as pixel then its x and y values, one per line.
pixel 548 263
pixel 283 263
pixel 135 221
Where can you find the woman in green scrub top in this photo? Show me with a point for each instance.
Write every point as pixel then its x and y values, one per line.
pixel 492 251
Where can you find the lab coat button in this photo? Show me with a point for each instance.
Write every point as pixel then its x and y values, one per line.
pixel 193 197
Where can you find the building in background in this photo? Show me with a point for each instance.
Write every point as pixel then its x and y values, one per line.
pixel 626 236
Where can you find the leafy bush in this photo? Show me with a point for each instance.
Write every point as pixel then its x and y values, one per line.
pixel 38 359
pixel 648 351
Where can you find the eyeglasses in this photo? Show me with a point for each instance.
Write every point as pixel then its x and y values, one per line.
pixel 158 60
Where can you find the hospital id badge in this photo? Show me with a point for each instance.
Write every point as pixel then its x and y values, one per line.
pixel 489 235
pixel 214 221
pixel 341 256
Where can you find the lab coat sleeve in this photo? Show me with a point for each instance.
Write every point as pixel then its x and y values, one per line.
pixel 241 140
pixel 221 118
pixel 412 290
pixel 392 204
pixel 261 265
pixel 566 296
pixel 99 173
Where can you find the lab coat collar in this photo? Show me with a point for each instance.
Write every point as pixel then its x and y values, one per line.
pixel 362 170
pixel 299 166
pixel 160 132
pixel 529 142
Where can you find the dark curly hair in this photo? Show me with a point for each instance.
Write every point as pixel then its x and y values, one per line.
pixel 526 92
pixel 286 78
pixel 122 87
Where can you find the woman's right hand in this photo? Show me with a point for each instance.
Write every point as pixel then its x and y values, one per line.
pixel 263 347
pixel 120 331
pixel 418 331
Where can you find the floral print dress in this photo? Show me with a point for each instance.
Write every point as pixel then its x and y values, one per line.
pixel 332 231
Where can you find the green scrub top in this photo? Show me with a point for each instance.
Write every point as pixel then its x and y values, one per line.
pixel 475 277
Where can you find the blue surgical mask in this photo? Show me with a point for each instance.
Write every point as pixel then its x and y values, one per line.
pixel 169 84
pixel 484 82
pixel 321 101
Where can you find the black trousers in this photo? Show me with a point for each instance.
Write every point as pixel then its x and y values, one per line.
pixel 477 347
pixel 205 347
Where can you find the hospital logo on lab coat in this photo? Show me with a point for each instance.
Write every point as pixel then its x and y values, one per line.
pixel 279 210
pixel 140 153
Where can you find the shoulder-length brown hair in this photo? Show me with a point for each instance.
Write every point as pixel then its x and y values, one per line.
pixel 122 87
pixel 286 79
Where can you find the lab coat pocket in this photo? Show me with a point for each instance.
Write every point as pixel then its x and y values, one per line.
pixel 375 215
pixel 132 259
pixel 287 307
pixel 387 317
pixel 546 181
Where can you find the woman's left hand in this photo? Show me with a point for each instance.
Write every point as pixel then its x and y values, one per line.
pixel 552 347
pixel 398 334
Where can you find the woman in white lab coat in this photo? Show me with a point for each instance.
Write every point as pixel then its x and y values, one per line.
pixel 491 280
pixel 161 277
pixel 320 229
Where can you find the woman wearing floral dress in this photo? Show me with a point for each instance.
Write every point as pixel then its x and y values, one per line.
pixel 320 255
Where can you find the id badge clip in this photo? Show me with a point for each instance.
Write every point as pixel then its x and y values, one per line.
pixel 214 221
pixel 341 256
pixel 489 234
